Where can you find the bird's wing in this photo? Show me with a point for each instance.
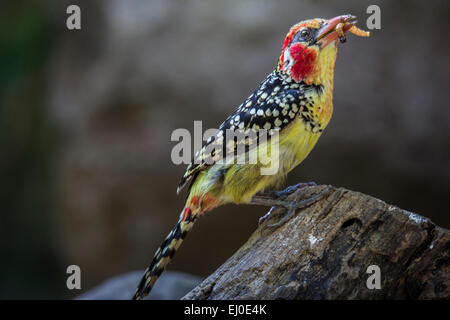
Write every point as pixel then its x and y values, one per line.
pixel 271 107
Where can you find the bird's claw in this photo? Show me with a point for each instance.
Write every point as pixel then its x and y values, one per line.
pixel 266 216
pixel 292 206
pixel 289 212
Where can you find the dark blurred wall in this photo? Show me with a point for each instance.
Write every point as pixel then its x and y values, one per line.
pixel 86 125
pixel 29 259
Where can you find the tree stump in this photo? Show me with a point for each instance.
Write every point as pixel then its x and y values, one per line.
pixel 325 250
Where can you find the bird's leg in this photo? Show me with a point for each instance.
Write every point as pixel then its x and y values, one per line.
pixel 275 200
pixel 278 199
pixel 291 189
pixel 283 194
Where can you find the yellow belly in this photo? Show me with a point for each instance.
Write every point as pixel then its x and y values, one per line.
pixel 242 181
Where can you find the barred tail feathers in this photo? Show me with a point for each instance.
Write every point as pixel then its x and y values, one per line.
pixel 165 253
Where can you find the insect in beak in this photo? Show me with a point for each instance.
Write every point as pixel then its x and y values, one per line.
pixel 336 28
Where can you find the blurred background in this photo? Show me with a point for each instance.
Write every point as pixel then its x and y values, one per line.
pixel 86 118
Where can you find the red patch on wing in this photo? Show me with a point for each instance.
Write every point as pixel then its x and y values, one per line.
pixel 194 201
pixel 304 61
pixel 198 205
pixel 186 213
pixel 209 203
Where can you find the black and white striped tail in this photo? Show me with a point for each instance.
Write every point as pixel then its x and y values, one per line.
pixel 163 256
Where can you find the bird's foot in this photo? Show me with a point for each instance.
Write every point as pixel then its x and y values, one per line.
pixel 287 210
pixel 290 207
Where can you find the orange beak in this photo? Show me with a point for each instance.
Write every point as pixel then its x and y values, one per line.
pixel 335 29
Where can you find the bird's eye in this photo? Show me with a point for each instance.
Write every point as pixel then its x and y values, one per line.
pixel 305 33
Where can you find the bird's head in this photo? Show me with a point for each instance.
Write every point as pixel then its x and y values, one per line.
pixel 310 48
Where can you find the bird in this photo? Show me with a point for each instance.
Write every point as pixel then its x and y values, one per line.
pixel 294 105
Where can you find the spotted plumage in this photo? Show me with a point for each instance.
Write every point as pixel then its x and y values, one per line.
pixel 275 104
pixel 291 107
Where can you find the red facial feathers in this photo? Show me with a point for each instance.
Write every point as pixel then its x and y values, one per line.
pixel 304 61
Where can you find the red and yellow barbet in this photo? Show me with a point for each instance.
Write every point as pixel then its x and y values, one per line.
pixel 295 99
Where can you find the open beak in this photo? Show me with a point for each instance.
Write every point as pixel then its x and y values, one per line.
pixel 335 29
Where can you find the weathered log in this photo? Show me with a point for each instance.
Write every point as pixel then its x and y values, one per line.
pixel 324 252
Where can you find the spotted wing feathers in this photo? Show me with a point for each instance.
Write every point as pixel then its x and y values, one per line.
pixel 273 106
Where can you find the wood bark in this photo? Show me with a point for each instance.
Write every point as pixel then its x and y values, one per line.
pixel 325 250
